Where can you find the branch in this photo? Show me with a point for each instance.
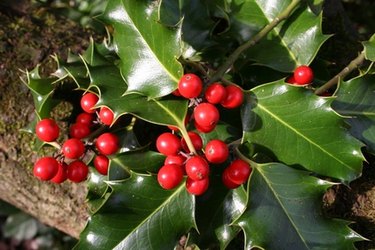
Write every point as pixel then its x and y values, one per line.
pixel 233 57
pixel 351 66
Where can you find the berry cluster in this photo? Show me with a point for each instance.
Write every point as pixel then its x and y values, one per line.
pixel 68 163
pixel 194 160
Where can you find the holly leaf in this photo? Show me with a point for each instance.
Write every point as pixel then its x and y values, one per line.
pixel 292 43
pixel 139 214
pixel 297 127
pixel 149 65
pixel 370 48
pixel 355 100
pixel 285 205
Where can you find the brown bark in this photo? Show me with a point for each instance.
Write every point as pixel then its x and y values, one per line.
pixel 26 40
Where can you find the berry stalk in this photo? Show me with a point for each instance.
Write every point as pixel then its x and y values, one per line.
pixel 185 135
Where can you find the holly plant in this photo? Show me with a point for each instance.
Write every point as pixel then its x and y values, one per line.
pixel 207 124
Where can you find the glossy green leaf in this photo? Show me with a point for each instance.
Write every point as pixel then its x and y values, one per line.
pixel 297 127
pixel 284 212
pixel 356 100
pixel 293 42
pixel 370 48
pixel 139 214
pixel 147 49
pixel 222 131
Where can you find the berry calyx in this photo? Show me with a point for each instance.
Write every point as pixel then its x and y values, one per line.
pixel 216 151
pixel 107 143
pixel 85 118
pixel 206 115
pixel 227 181
pixel 79 130
pixel 106 115
pixel 46 168
pixel 101 163
pixel 61 174
pixel 77 171
pixel 47 130
pixel 197 187
pixel 234 97
pixel 197 168
pixel 215 93
pixel 196 140
pixel 168 144
pixel 190 86
pixel 88 101
pixel 239 171
pixel 73 148
pixel 170 176
pixel 303 75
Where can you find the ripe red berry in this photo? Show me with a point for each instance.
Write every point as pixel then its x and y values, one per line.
pixel 190 86
pixel 195 139
pixel 303 75
pixel 77 171
pixel 47 130
pixel 176 92
pixel 215 93
pixel 234 97
pixel 227 181
pixel 79 130
pixel 216 151
pixel 170 176
pixel 197 187
pixel 204 129
pixel 197 168
pixel 239 171
pixel 46 168
pixel 168 144
pixel 101 163
pixel 73 148
pixel 107 143
pixel 206 115
pixel 290 79
pixel 88 101
pixel 106 115
pixel 85 118
pixel 61 174
pixel 174 159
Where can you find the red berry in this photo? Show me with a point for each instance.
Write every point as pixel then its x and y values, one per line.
pixel 206 115
pixel 61 175
pixel 85 118
pixel 197 168
pixel 170 176
pixel 204 129
pixel 88 101
pixel 106 116
pixel 195 139
pixel 101 163
pixel 168 144
pixel 175 159
pixel 107 143
pixel 197 187
pixel 234 97
pixel 239 171
pixel 227 181
pixel 215 93
pixel 303 75
pixel 77 171
pixel 46 168
pixel 290 80
pixel 176 92
pixel 47 130
pixel 190 86
pixel 73 148
pixel 79 130
pixel 216 151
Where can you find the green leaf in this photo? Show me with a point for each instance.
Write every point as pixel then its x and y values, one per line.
pixel 370 48
pixel 293 42
pixel 285 206
pixel 139 214
pixel 356 100
pixel 299 128
pixel 147 49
